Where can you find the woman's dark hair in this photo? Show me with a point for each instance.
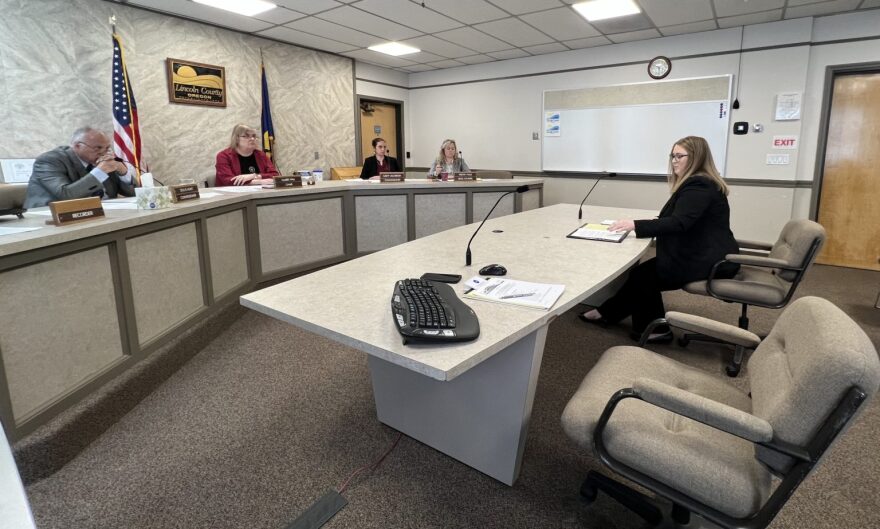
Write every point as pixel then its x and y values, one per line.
pixel 377 140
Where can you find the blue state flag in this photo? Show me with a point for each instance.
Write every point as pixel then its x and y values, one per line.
pixel 266 118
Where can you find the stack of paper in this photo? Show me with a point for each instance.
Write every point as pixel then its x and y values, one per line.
pixel 598 232
pixel 523 293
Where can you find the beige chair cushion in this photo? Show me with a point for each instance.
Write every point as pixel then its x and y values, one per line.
pixel 794 242
pixel 801 371
pixel 706 464
pixel 759 286
pixel 494 174
pixel 12 196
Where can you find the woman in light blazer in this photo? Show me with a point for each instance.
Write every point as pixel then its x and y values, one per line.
pixel 449 161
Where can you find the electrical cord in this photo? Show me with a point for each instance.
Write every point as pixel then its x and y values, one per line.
pixel 372 466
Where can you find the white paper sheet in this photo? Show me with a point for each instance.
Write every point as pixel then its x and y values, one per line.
pixel 13 231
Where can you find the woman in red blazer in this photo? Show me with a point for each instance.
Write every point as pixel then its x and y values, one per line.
pixel 242 163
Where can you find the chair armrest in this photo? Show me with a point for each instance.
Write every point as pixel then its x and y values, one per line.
pixel 754 245
pixel 757 260
pixel 715 329
pixel 703 410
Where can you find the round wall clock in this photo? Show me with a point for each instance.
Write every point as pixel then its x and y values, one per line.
pixel 659 67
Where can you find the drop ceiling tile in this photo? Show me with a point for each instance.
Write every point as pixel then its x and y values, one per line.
pixel 745 20
pixel 590 42
pixel 514 31
pixel 515 53
pixel 356 19
pixel 635 35
pixel 822 8
pixel 518 7
pixel 437 46
pixel 205 13
pixel 279 15
pixel 541 49
pixel 317 26
pixel 418 68
pixel 477 10
pixel 473 39
pixel 307 6
pixel 475 59
pixel 424 57
pixel 729 8
pixel 447 63
pixel 409 14
pixel 693 27
pixel 381 59
pixel 677 12
pixel 561 24
pixel 304 39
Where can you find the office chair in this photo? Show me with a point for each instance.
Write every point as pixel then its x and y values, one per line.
pixel 708 447
pixel 764 281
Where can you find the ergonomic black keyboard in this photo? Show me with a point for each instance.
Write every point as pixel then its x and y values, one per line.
pixel 428 311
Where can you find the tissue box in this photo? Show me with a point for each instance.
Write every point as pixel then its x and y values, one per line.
pixel 153 197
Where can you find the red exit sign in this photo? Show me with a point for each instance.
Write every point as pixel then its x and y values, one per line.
pixel 785 142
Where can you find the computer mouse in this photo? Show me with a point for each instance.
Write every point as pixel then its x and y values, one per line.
pixel 493 270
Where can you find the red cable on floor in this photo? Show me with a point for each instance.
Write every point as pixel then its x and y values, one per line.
pixel 372 466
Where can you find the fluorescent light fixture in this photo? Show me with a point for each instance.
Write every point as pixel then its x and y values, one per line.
pixel 247 8
pixel 601 9
pixel 394 48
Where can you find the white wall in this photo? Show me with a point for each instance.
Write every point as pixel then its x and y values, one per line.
pixel 493 118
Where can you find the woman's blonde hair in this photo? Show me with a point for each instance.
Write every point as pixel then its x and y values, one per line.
pixel 238 130
pixel 699 161
pixel 442 157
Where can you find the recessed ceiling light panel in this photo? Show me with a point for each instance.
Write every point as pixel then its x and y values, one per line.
pixel 247 8
pixel 394 48
pixel 602 9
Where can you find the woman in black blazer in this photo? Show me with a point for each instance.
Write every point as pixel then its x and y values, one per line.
pixel 379 163
pixel 692 231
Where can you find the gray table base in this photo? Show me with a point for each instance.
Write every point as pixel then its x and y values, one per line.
pixel 479 418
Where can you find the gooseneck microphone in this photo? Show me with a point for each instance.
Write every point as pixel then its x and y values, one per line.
pixel 581 208
pixel 467 255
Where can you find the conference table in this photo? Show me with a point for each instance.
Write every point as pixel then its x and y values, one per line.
pixel 469 400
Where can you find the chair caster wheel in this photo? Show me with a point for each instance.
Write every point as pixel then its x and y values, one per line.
pixel 683 342
pixel 589 493
pixel 732 371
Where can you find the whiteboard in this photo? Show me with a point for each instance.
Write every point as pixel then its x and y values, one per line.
pixel 634 138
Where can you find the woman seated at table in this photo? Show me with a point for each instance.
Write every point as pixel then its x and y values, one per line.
pixel 448 162
pixel 379 162
pixel 242 163
pixel 693 233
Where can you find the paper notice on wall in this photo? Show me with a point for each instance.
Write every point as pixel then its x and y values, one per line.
pixel 551 123
pixel 788 106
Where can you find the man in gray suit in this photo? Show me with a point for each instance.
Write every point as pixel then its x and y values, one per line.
pixel 85 168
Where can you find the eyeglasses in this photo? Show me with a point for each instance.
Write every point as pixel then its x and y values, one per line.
pixel 96 148
pixel 249 136
pixel 677 157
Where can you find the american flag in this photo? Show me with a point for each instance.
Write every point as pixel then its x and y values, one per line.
pixel 126 133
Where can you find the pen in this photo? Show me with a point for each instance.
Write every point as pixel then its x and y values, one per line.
pixel 526 294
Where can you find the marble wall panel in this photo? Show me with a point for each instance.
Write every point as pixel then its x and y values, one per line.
pixel 166 280
pixel 381 222
pixel 46 351
pixel 438 212
pixel 56 59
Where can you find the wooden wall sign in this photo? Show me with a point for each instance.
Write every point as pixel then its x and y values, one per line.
pixel 194 83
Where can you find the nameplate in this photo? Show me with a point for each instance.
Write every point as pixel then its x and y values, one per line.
pixel 392 177
pixel 77 210
pixel 465 177
pixel 181 192
pixel 287 181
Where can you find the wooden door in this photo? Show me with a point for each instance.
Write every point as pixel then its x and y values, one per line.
pixel 379 120
pixel 849 203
